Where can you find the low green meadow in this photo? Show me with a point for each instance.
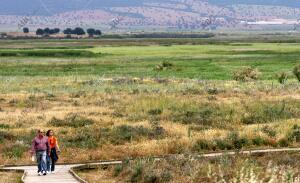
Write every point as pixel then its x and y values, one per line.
pixel 208 61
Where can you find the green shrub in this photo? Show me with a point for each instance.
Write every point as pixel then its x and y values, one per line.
pixel 258 141
pixel 269 131
pixel 246 74
pixel 167 64
pixel 83 138
pixel 5 135
pixel 282 77
pixel 155 111
pixel 213 91
pixel 222 144
pixel 296 72
pixel 210 114
pixel 4 126
pixel 15 151
pixel 125 133
pixel 283 142
pixel 166 176
pixel 237 141
pixel 117 170
pixel 26 136
pixel 201 145
pixel 294 134
pixel 151 177
pixel 264 112
pixel 71 120
pixel 137 172
pixel 163 66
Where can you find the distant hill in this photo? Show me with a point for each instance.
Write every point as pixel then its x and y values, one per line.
pixel 181 14
pixel 22 7
pixel 289 3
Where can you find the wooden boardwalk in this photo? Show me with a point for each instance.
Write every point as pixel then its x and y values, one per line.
pixel 63 174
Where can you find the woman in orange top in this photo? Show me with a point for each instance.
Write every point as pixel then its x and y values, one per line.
pixel 54 149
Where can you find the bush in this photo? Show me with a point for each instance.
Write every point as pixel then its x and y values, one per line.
pixel 124 133
pixel 269 131
pixel 222 144
pixel 263 112
pixel 155 111
pixel 294 135
pixel 201 145
pixel 83 138
pixel 166 176
pixel 137 172
pixel 237 141
pixel 4 135
pixel 167 64
pixel 15 151
pixel 4 126
pixel 151 177
pixel 258 141
pixel 283 142
pixel 282 77
pixel 296 72
pixel 117 170
pixel 163 66
pixel 71 120
pixel 246 74
pixel 208 115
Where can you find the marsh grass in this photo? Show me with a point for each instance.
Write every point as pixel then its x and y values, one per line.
pixel 114 105
pixel 71 120
pixel 296 72
pixel 10 177
pixel 119 135
pixel 261 168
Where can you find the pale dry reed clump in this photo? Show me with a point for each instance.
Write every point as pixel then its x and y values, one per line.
pixel 251 174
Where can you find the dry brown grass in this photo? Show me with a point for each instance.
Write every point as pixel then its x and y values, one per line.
pixel 272 167
pixel 10 177
pixel 25 111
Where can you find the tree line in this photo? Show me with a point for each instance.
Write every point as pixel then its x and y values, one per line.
pixel 68 31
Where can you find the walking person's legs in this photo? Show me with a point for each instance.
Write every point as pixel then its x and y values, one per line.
pixel 38 161
pixel 48 163
pixel 52 165
pixel 44 161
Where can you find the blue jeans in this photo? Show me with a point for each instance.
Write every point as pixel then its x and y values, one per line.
pixel 41 157
pixel 48 163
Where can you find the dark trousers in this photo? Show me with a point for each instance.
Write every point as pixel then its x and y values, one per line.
pixel 51 160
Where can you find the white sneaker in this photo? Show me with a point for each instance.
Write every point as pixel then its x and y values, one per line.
pixel 40 173
pixel 48 172
pixel 53 171
pixel 44 173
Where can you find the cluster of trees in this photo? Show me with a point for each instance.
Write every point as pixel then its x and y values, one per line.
pixel 26 30
pixel 80 31
pixel 47 31
pixel 77 31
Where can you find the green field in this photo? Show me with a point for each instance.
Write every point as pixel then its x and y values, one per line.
pixel 204 61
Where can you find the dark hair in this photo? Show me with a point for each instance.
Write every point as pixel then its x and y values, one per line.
pixel 48 133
